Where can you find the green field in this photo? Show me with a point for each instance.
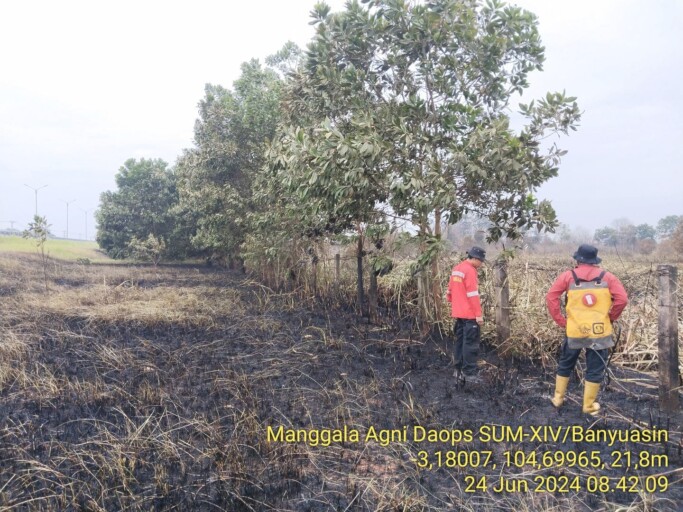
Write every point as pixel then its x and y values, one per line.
pixel 56 248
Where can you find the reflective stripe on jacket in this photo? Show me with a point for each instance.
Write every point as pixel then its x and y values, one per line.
pixel 463 291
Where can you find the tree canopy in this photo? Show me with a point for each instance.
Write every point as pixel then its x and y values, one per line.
pixel 408 104
pixel 142 206
pixel 216 175
pixel 404 108
pixel 396 111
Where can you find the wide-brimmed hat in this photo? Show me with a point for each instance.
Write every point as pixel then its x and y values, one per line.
pixel 478 253
pixel 587 254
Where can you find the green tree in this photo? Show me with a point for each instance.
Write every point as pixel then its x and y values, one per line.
pixel 329 167
pixel 283 233
pixel 416 99
pixel 326 154
pixel 606 236
pixel 140 207
pixel 645 231
pixel 627 236
pixel 39 230
pixel 150 249
pixel 216 175
pixel 667 225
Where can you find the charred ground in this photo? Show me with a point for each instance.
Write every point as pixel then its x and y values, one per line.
pixel 141 389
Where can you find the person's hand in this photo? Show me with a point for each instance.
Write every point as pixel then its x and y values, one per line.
pixel 480 320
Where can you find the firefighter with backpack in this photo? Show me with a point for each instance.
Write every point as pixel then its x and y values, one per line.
pixel 595 298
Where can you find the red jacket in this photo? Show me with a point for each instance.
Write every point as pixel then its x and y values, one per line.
pixel 463 292
pixel 587 272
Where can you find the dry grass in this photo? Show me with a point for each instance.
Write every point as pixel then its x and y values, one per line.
pixel 533 332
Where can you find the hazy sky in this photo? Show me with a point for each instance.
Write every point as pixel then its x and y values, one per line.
pixel 86 85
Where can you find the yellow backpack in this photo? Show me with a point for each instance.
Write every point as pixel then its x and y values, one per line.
pixel 588 304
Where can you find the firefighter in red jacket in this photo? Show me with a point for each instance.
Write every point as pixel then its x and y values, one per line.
pixel 595 299
pixel 463 294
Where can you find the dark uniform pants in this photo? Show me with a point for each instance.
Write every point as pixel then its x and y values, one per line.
pixel 596 361
pixel 467 335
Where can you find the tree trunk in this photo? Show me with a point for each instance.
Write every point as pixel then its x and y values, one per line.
pixel 359 279
pixel 424 291
pixel 436 284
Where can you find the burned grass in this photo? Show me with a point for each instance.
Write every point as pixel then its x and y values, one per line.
pixel 127 388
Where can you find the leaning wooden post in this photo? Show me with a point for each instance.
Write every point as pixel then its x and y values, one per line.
pixel 500 281
pixel 669 380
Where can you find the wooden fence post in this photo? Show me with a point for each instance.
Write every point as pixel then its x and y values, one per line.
pixel 359 274
pixel 500 281
pixel 337 271
pixel 372 296
pixel 669 379
pixel 314 270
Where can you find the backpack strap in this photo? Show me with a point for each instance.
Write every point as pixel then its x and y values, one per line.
pixel 577 281
pixel 596 280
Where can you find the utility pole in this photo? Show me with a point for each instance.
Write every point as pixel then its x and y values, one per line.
pixel 36 192
pixel 11 223
pixel 67 215
pixel 86 220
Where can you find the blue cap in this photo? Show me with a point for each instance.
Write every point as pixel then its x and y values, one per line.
pixel 478 253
